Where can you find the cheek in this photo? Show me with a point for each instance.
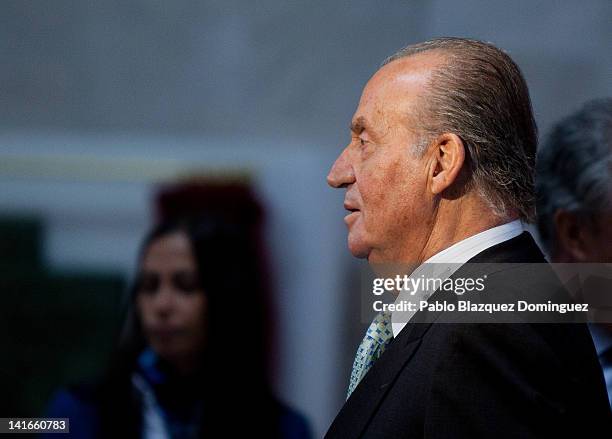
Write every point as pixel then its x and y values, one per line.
pixel 143 308
pixel 385 194
pixel 383 178
pixel 374 195
pixel 606 241
pixel 193 309
pixel 605 248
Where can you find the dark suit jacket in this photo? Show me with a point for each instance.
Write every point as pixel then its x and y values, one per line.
pixel 484 380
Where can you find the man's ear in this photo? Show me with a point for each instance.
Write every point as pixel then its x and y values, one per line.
pixel 570 236
pixel 447 159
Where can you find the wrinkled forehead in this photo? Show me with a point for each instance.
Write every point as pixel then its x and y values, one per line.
pixel 399 84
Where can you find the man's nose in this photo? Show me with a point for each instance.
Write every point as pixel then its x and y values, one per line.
pixel 341 173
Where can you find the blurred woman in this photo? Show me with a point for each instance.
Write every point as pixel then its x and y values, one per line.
pixel 192 362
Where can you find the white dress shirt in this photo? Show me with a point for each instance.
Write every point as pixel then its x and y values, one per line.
pixel 455 255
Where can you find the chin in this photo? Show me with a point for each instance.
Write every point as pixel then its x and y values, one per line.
pixel 358 248
pixel 170 353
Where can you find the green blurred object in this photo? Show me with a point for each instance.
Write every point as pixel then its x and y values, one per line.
pixel 56 329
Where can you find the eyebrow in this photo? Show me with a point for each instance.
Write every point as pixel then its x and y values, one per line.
pixel 358 125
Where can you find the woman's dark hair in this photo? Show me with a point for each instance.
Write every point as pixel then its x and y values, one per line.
pixel 233 376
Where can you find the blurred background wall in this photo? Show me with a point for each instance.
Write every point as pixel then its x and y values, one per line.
pixel 102 101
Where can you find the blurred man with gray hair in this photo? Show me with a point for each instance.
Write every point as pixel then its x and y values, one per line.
pixel 574 200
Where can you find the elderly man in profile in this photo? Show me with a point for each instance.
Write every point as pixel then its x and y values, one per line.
pixel 440 168
pixel 574 202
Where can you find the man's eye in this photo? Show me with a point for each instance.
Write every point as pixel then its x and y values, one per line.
pixel 362 142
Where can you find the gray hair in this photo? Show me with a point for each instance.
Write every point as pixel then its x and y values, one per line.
pixel 574 168
pixel 480 95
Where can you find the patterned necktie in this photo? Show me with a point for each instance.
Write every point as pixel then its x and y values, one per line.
pixel 377 337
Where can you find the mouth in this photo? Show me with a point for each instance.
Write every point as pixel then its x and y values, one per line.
pixel 352 212
pixel 350 208
pixel 165 333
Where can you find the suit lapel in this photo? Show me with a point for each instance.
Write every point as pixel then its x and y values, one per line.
pixel 363 403
pixel 358 410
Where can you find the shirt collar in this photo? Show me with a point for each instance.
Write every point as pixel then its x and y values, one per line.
pixel 602 337
pixel 456 255
pixel 466 249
